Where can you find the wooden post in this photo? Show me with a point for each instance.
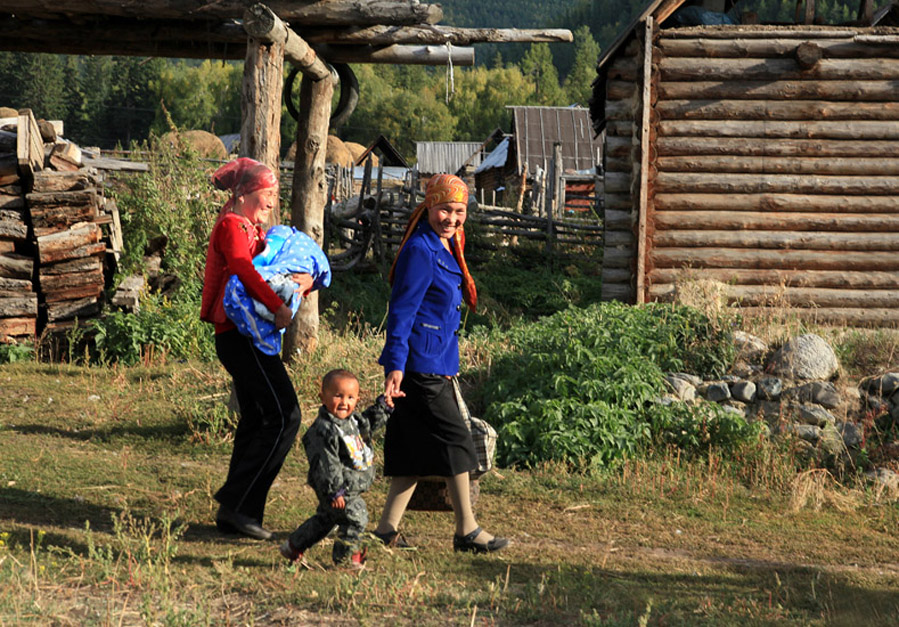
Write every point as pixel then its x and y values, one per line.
pixel 644 163
pixel 260 104
pixel 308 199
pixel 553 207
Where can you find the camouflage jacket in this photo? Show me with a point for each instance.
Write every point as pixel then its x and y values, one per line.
pixel 339 451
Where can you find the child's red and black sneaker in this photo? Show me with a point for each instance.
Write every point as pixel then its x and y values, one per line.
pixel 290 552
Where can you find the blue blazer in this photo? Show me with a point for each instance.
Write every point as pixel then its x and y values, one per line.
pixel 425 306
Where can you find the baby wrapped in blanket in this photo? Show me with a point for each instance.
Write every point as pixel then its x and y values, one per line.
pixel 287 251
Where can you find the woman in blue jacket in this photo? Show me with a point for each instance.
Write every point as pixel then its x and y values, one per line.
pixel 426 434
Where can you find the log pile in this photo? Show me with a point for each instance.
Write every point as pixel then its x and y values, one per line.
pixel 53 247
pixel 773 167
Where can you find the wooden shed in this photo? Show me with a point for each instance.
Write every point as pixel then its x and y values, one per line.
pixel 528 151
pixel 765 157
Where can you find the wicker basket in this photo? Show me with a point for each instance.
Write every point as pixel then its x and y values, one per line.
pixel 431 495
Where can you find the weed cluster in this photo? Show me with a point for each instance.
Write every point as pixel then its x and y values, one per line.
pixel 579 386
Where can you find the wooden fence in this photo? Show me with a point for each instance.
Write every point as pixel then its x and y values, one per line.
pixel 377 223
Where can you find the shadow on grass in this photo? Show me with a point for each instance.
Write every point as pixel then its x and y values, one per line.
pixel 171 431
pixel 31 508
pixel 735 593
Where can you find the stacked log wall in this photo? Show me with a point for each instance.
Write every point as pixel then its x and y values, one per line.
pixel 621 178
pixel 776 168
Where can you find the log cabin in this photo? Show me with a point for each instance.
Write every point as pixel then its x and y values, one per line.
pixel 762 156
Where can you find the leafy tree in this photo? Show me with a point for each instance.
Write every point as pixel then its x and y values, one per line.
pixel 41 85
pixel 132 102
pixel 586 53
pixel 204 96
pixel 482 96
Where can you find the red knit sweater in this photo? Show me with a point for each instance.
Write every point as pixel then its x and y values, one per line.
pixel 232 245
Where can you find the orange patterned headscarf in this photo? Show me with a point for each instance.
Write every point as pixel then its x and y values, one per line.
pixel 444 188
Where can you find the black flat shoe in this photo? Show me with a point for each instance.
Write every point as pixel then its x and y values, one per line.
pixel 228 521
pixel 467 544
pixel 393 539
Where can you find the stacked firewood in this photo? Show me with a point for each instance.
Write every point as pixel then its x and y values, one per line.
pixel 52 247
pixel 65 208
pixel 18 300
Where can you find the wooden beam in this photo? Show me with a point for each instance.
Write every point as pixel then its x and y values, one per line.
pixel 260 107
pixel 383 35
pixel 265 26
pixel 319 12
pixel 308 198
pixel 643 199
pixel 396 54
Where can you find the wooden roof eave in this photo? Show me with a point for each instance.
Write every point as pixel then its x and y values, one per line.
pixel 660 10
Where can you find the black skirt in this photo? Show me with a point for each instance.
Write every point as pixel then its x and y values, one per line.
pixel 426 434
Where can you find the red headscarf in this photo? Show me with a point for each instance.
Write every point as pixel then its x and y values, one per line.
pixel 443 188
pixel 243 176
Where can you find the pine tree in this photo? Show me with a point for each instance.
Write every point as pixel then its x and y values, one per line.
pixel 586 53
pixel 538 65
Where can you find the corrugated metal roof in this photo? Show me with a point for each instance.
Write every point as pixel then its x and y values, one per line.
pixel 536 129
pixel 440 157
pixel 497 158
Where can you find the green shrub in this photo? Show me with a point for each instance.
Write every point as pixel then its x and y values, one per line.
pixel 578 386
pixel 11 353
pixel 163 326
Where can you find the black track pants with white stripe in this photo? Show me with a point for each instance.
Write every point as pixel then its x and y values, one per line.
pixel 269 420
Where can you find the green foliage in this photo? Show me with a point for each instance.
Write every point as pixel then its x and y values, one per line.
pixel 174 200
pixel 11 353
pixel 162 327
pixel 578 386
pixel 538 64
pixel 204 96
pixel 578 84
pixel 698 427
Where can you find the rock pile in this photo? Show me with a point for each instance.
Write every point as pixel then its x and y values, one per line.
pixel 793 390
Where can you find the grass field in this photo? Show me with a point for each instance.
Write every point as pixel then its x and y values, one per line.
pixel 106 509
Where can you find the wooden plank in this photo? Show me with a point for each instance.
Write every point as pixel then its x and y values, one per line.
pixel 786 110
pixel 618 182
pixel 68 309
pixel 770 47
pixel 14 266
pixel 793 240
pixel 618 257
pixel 86 264
pixel 11 201
pixel 29 145
pixel 7 246
pixel 849 90
pixel 747 146
pixel 23 306
pixel 51 282
pixel 775 183
pixel 9 170
pixel 49 181
pixel 883 166
pixel 837 203
pixel 72 293
pixel 798 278
pixel 843 316
pixel 761 31
pixel 783 69
pixel 775 259
pixel 68 240
pixel 797 296
pixel 643 191
pixel 843 129
pixel 16 327
pixel 63 254
pixel 773 221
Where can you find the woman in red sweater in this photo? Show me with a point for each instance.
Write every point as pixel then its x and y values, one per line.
pixel 269 411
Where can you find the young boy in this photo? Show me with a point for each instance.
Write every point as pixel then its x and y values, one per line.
pixel 340 470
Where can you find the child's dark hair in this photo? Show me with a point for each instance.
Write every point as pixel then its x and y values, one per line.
pixel 338 373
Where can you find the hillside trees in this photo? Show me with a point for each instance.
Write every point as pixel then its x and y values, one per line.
pixel 586 53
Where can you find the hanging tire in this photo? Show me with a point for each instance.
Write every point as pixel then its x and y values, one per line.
pixel 346 104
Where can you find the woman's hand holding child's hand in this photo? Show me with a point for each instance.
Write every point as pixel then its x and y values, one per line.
pixel 392 386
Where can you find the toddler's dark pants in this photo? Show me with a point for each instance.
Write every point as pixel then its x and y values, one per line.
pixel 350 523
